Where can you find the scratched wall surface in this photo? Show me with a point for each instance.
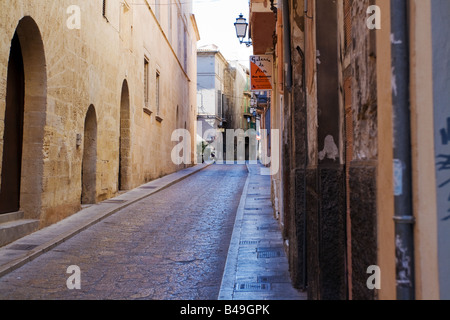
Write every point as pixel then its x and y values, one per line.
pixel 364 80
pixel 441 96
pixel 362 181
pixel 329 171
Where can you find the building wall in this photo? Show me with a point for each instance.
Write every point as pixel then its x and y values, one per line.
pixel 230 101
pixel 325 194
pixel 426 78
pixel 441 97
pixel 385 187
pixel 206 84
pixel 240 99
pixel 363 166
pixel 85 68
pixel 333 159
pixel 221 95
pixel 211 69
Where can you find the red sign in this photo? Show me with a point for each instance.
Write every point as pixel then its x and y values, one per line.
pixel 261 72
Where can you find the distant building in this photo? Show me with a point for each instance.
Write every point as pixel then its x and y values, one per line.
pixel 238 116
pixel 223 96
pixel 211 66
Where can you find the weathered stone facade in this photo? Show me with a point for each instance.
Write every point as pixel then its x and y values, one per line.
pixel 106 84
pixel 334 104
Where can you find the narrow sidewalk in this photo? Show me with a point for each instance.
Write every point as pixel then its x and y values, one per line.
pixel 18 253
pixel 257 267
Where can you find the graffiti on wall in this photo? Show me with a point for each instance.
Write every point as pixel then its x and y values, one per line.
pixel 444 162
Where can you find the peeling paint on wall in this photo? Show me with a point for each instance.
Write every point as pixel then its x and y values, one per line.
pixel 364 96
pixel 398 177
pixel 394 82
pixel 403 262
pixel 393 41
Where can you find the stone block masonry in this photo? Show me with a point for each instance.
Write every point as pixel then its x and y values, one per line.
pixel 72 73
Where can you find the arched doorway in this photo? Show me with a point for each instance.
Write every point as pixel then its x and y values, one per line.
pixel 89 165
pixel 13 132
pixel 26 103
pixel 125 139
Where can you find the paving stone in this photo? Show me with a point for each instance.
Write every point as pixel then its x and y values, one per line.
pixel 172 245
pixel 256 250
pixel 169 246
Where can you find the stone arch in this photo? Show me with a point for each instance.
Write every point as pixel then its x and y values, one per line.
pixel 124 182
pixel 27 50
pixel 89 164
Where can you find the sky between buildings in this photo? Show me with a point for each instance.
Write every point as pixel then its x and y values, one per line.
pixel 215 20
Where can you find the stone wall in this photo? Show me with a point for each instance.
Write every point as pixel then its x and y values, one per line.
pixel 88 66
pixel 322 182
pixel 363 167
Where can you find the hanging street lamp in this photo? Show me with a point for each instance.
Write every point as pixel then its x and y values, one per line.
pixel 241 26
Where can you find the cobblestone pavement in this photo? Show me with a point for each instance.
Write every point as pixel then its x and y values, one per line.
pixel 170 246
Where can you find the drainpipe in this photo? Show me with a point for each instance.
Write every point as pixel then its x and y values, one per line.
pixel 287 45
pixel 404 219
pixel 305 97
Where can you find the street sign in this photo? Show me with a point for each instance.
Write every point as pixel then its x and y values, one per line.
pixel 261 72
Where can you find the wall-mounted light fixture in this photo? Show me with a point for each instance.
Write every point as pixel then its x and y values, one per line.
pixel 241 26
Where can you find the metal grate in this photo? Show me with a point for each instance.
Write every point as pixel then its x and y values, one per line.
pixel 268 227
pixel 252 287
pixel 248 242
pixel 267 253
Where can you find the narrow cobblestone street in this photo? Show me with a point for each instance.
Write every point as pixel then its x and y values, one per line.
pixel 172 245
pixel 226 151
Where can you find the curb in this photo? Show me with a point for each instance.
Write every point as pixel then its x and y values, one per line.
pixel 229 274
pixel 61 237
